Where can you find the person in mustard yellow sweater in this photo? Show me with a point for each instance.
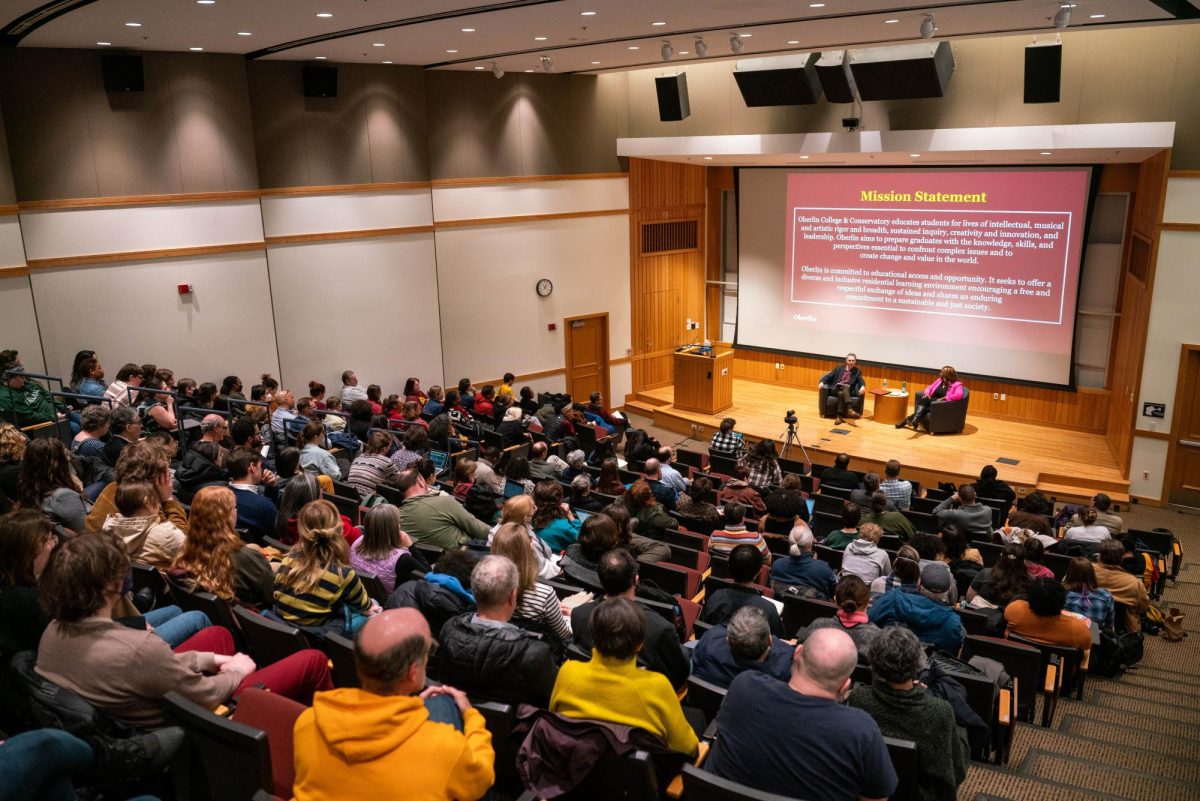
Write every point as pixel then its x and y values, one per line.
pixel 611 687
pixel 385 741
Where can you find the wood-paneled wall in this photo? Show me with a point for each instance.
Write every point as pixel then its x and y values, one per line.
pixel 665 289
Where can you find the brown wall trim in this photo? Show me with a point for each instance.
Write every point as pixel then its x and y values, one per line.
pixel 143 255
pixel 545 373
pixel 134 200
pixel 13 209
pixel 564 215
pixel 526 179
pixel 1183 174
pixel 15 271
pixel 1180 226
pixel 621 360
pixel 330 236
pixel 1164 435
pixel 338 189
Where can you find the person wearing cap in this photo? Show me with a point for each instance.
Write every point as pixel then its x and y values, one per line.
pixel 24 402
pixel 925 610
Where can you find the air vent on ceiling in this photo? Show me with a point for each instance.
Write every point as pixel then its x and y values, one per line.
pixel 670 236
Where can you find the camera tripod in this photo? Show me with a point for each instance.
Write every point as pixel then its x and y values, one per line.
pixel 789 438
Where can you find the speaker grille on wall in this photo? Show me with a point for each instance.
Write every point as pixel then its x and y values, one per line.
pixel 904 72
pixel 672 92
pixel 835 77
pixel 1043 72
pixel 122 72
pixel 779 81
pixel 320 81
pixel 670 236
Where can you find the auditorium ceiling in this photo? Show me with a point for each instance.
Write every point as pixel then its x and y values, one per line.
pixel 563 36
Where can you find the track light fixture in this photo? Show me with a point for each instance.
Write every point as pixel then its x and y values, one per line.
pixel 736 44
pixel 1063 17
pixel 701 47
pixel 547 64
pixel 667 51
pixel 496 71
pixel 928 27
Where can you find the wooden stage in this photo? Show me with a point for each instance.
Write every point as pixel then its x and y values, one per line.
pixel 1071 465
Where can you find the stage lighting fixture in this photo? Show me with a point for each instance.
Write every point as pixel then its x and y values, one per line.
pixel 736 44
pixel 701 47
pixel 499 73
pixel 547 64
pixel 928 28
pixel 1063 17
pixel 667 51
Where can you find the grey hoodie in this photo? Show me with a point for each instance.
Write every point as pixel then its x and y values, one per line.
pixel 866 560
pixel 147 539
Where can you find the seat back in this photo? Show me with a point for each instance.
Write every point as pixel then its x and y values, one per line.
pixel 990 552
pixel 700 785
pixel 799 612
pixel 705 696
pixel 150 578
pixel 714 583
pixel 690 458
pixel 1022 662
pixel 276 715
pixel 890 542
pixel 973 622
pixel 904 760
pixel 823 524
pixel 221 759
pixel 348 506
pixel 217 610
pixel 695 524
pixel 374 587
pixel 830 556
pixel 722 464
pixel 500 720
pixel 689 557
pixel 688 539
pixel 268 641
pixel 615 778
pixel 923 522
pixel 340 651
pixel 390 494
pixel 1070 661
pixel 828 503
pixel 674 579
pixel 1058 564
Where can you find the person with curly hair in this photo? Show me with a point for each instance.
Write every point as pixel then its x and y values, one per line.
pixel 553 521
pixel 215 559
pixel 12 451
pixel 48 483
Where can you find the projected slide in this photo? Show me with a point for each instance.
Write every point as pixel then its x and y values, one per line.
pixel 976 268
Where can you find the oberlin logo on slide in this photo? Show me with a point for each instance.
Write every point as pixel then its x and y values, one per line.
pixel 805 318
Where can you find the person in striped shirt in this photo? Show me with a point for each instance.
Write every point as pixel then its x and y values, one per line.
pixel 315 585
pixel 374 467
pixel 897 490
pixel 735 533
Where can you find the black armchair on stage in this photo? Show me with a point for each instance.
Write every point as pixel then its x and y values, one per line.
pixel 946 417
pixel 827 403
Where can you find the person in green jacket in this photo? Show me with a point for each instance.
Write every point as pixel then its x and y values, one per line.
pixel 436 519
pixel 24 402
pixel 891 522
pixel 851 515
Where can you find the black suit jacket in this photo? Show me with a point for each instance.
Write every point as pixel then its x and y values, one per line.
pixel 830 379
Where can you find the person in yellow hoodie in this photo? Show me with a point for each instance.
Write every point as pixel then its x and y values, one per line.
pixel 390 739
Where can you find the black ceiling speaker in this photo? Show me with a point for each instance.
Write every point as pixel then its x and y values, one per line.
pixel 122 72
pixel 779 81
pixel 903 72
pixel 320 81
pixel 834 74
pixel 673 104
pixel 1043 72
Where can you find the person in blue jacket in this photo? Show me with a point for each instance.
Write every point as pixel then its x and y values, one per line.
pixel 922 609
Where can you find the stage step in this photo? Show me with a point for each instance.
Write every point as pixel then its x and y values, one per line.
pixel 1074 493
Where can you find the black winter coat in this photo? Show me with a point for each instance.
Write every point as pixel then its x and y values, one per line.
pixel 504 664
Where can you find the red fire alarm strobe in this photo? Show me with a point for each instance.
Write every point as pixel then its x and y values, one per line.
pixel 184 289
pixel 552 327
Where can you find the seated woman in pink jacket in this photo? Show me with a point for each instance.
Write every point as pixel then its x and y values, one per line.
pixel 946 388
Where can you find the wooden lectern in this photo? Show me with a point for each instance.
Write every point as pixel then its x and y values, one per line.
pixel 704 383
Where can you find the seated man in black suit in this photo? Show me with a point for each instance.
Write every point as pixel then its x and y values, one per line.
pixel 839 475
pixel 661 650
pixel 745 562
pixel 845 382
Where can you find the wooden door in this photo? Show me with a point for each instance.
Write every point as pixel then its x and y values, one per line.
pixel 1184 486
pixel 587 356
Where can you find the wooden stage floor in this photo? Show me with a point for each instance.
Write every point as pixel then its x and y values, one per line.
pixel 1068 464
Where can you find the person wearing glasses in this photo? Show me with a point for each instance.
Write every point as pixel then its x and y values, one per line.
pixel 845 382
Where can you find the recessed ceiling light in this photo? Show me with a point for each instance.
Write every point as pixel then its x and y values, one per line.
pixel 708 158
pixel 914 155
pixel 793 41
pixel 387 62
pixel 205 2
pixel 804 157
pixel 594 62
pixel 468 30
pixel 244 33
pixel 816 5
pixel 479 68
pixel 531 70
pixel 1096 16
pixel 324 14
pixel 587 13
pixel 320 58
pixel 656 24
pixel 379 44
pixel 745 35
pixel 451 51
pixel 196 49
pixel 1047 153
pixel 634 47
pixel 684 53
pixel 133 24
pixel 890 21
pixel 539 38
pixel 104 44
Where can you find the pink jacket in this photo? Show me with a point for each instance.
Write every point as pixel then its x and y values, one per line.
pixel 954 393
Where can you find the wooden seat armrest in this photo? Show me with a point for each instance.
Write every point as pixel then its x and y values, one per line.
pixel 1005 714
pixel 675 788
pixel 1052 680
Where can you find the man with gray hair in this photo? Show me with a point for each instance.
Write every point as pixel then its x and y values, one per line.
pixel 796 739
pixel 811 577
pixel 745 643
pixel 356 743
pixel 663 492
pixel 126 427
pixel 213 428
pixel 483 653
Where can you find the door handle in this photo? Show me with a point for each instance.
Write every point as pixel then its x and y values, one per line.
pixel 1191 443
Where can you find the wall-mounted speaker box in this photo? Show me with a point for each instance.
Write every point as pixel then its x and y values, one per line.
pixel 122 72
pixel 779 81
pixel 903 72
pixel 320 81
pixel 1043 72
pixel 672 92
pixel 833 71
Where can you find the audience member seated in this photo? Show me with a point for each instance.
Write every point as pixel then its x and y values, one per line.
pixel 1034 551
pixel 1085 597
pixel 537 608
pixel 142 461
pixel 738 490
pixel 413 449
pixel 664 493
pixel 463 479
pixel 810 577
pixel 745 563
pixel 1102 503
pixel 249 480
pixel 610 687
pixel 484 654
pixel 852 598
pixel 891 521
pixel 301 490
pixel 351 391
pixel 964 510
pixel 315 586
pixel 581 495
pixel 1040 617
pixel 796 739
pixel 906 572
pixel 726 442
pixel 697 502
pixel 203 466
pixel 139 525
pixel 512 427
pixel 899 491
pixel 991 487
pixel 361 420
pixel 932 551
pixel 1031 513
pixel 125 671
pixel 1126 589
pixel 126 427
pixel 47 483
pixel 91 379
pixel 284 414
pixel 661 651
pixel 864 558
pixel 361 743
pixel 735 533
pixel 516 470
pixel 576 466
pixel 840 540
pixel 434 403
pixel 519 510
pixel 644 549
pixel 435 519
pixel 652 519
pixel 214 558
pixel 762 466
pixel 1087 529
pixel 313 455
pixel 130 375
pixel 385 550
pixel 12 451
pixel 862 495
pixel 784 506
pixel 94 422
pixel 744 643
pixel 670 476
pixel 485 470
pixel 445 592
pixel 906 709
pixel 597 536
pixel 999 584
pixel 26 541
pixel 840 476
pixel 26 402
pixel 609 481
pixel 542 465
pixel 553 520
pixel 924 611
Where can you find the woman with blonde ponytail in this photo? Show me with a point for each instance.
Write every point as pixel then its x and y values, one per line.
pixel 315 585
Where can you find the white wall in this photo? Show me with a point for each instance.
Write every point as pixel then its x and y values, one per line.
pixel 12 251
pixel 20 326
